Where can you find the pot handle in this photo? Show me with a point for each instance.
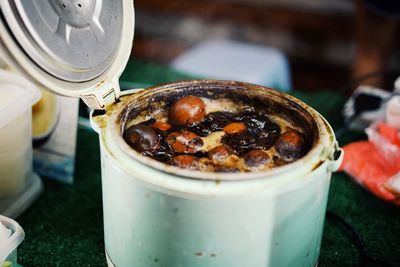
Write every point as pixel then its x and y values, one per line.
pixel 336 159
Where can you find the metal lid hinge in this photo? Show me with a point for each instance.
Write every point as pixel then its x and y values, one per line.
pixel 104 95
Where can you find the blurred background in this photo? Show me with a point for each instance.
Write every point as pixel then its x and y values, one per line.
pixel 327 43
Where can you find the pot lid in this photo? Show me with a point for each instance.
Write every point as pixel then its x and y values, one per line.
pixel 71 44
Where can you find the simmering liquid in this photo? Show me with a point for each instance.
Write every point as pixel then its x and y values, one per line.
pixel 215 136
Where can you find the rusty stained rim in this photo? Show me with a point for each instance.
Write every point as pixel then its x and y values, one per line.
pixel 321 150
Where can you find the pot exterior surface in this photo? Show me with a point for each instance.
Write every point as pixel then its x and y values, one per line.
pixel 147 226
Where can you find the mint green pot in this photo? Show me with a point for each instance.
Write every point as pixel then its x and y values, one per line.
pixel 159 215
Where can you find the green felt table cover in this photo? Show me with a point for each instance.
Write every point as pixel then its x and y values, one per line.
pixel 64 227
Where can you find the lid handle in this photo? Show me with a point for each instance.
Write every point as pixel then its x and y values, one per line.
pixel 106 94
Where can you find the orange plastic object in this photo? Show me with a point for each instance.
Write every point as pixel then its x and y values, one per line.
pixel 364 162
pixel 391 134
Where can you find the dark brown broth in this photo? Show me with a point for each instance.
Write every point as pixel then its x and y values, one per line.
pixel 262 133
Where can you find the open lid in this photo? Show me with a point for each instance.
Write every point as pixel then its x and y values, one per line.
pixel 75 48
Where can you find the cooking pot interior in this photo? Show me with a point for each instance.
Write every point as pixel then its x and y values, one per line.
pixel 261 98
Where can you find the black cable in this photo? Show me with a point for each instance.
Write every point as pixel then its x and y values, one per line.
pixel 364 259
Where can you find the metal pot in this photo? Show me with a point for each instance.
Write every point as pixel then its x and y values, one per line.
pixel 159 215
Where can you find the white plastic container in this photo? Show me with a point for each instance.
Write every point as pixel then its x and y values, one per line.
pixel 158 215
pixel 393 111
pixel 11 235
pixel 17 96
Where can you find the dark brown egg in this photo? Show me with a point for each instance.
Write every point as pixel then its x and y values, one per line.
pixel 290 145
pixel 162 126
pixel 256 157
pixel 235 128
pixel 141 138
pixel 186 162
pixel 187 110
pixel 219 153
pixel 184 142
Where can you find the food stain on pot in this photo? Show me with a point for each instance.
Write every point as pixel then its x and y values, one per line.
pixel 201 254
pixel 153 259
pixel 101 117
pixel 316 166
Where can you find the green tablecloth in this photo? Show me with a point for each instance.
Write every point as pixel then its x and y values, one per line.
pixel 64 226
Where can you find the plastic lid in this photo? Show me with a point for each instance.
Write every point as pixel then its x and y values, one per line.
pixel 11 235
pixel 71 47
pixel 16 96
pixel 80 36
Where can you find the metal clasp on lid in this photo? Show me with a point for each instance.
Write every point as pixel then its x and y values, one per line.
pixel 104 95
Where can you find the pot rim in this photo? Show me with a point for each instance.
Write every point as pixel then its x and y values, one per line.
pixel 321 151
